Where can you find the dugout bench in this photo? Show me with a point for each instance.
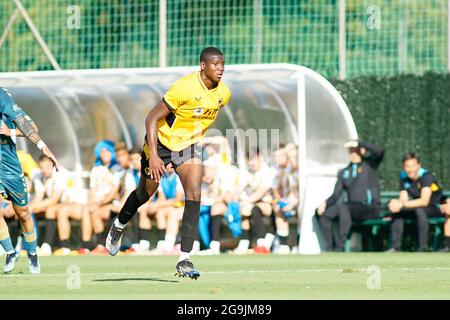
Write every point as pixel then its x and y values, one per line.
pixel 374 228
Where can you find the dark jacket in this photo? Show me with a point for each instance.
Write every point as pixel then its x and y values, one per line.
pixel 361 181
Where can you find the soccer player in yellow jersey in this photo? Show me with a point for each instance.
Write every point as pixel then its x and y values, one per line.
pixel 174 127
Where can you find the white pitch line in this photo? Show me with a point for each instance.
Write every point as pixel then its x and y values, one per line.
pixel 134 274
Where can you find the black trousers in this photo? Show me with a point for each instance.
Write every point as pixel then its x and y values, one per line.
pixel 421 215
pixel 345 213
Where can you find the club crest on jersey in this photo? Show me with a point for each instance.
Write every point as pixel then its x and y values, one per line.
pixel 198 111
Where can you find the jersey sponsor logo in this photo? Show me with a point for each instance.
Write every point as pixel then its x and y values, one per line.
pixel 198 111
pixel 205 114
pixel 211 112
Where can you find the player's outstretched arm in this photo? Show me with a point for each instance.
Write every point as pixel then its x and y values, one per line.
pixel 5 130
pixel 156 165
pixel 28 130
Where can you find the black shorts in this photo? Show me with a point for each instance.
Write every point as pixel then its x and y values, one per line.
pixel 176 158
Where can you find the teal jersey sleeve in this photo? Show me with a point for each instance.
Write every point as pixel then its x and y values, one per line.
pixel 8 108
pixel 9 163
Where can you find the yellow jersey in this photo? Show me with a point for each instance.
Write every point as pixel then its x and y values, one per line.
pixel 193 107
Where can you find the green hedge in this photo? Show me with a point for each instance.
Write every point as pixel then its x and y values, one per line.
pixel 403 113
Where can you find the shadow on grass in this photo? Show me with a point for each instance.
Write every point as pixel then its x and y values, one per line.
pixel 134 279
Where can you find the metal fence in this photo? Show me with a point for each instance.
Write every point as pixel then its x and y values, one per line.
pixel 338 38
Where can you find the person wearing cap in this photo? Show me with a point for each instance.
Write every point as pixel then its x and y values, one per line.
pixel 360 180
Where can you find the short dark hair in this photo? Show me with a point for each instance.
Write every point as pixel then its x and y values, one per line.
pixel 136 149
pixel 208 52
pixel 411 155
pixel 119 146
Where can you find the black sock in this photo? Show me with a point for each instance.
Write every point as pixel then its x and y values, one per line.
pixel 271 228
pixel 161 234
pixel 86 244
pixel 50 230
pixel 65 243
pixel 197 236
pixel 283 240
pixel 130 207
pixel 216 223
pixel 135 229
pixel 112 216
pixel 257 223
pixel 189 225
pixel 101 238
pixel 447 242
pixel 144 234
pixel 245 235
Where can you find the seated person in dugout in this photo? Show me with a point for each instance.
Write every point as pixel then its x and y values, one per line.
pixel 361 181
pixel 125 182
pixel 285 198
pixel 420 198
pixel 255 203
pixel 102 191
pixel 445 210
pixel 47 188
pixel 221 182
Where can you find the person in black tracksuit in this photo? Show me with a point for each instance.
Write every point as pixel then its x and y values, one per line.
pixel 360 180
pixel 420 198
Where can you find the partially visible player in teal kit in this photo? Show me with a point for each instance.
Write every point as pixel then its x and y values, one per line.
pixel 12 183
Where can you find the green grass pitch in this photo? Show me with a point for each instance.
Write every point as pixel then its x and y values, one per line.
pixel 327 276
